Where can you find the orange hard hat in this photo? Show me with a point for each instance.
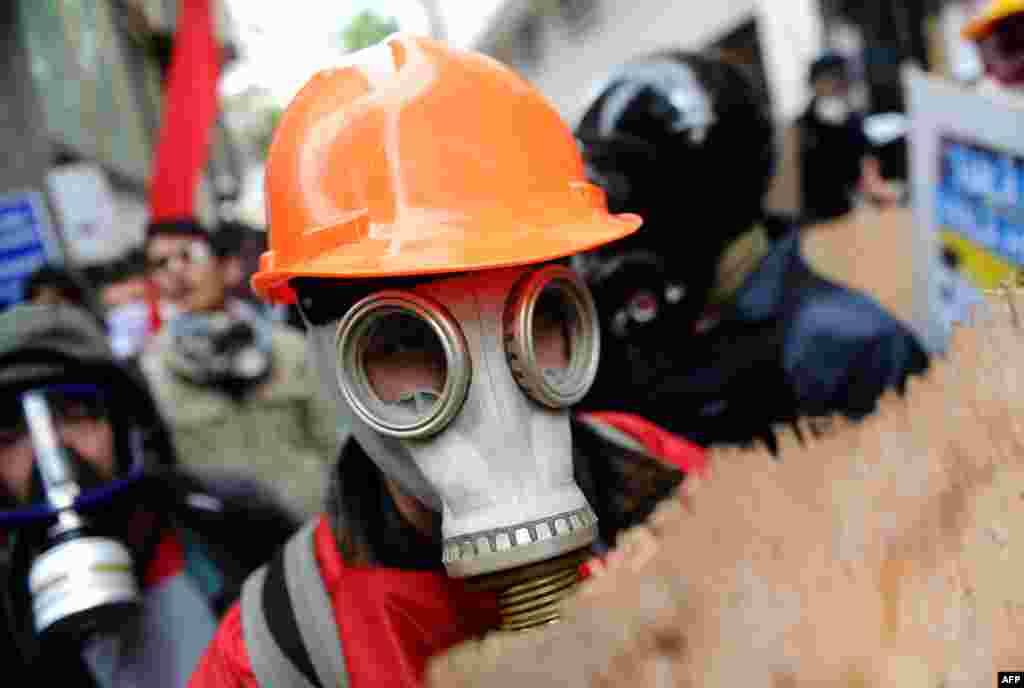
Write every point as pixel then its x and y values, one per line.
pixel 994 12
pixel 415 158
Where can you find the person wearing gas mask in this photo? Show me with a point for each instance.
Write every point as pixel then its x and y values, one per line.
pixel 114 565
pixel 233 384
pixel 712 330
pixel 837 161
pixel 998 31
pixel 422 203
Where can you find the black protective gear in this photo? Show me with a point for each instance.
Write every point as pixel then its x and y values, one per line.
pixel 790 344
pixel 686 142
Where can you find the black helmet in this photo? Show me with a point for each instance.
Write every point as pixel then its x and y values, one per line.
pixel 686 142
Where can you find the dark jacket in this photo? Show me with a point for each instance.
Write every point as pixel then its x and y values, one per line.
pixel 792 344
pixel 830 164
pixel 226 528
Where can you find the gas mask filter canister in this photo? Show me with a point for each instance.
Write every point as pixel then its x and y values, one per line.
pixel 80 584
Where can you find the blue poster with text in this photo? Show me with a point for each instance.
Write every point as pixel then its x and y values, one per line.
pixel 981 198
pixel 25 242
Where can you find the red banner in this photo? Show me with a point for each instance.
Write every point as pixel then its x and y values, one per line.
pixel 190 110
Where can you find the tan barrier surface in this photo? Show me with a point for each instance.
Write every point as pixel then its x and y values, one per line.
pixel 885 553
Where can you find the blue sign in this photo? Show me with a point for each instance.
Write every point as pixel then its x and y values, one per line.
pixel 26 242
pixel 981 197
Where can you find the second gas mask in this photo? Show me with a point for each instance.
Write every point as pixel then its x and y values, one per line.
pixel 459 389
pixel 81 581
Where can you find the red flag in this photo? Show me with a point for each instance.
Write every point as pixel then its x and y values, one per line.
pixel 190 109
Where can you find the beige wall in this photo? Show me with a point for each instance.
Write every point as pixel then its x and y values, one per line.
pixel 571 64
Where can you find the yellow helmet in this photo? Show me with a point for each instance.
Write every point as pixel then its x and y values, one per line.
pixel 982 26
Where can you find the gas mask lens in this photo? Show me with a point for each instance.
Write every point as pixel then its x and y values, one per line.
pixel 552 336
pixel 404 364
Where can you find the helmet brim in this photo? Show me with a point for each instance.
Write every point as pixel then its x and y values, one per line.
pixel 483 242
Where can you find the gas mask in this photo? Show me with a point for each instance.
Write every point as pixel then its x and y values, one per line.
pixel 459 389
pixel 220 349
pixel 81 580
pixel 129 325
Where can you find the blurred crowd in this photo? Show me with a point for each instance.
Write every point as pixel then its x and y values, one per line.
pixel 193 427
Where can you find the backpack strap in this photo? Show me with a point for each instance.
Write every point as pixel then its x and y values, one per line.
pixel 288 620
pixel 271 666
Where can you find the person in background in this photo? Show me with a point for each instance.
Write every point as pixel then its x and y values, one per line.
pixel 836 160
pixel 124 292
pixel 123 589
pixel 233 385
pixel 56 285
pixel 998 31
pixel 711 329
pixel 245 244
pixel 959 298
pixel 51 285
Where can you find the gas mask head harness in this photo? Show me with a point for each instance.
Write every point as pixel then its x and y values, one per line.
pixel 81 579
pixel 459 387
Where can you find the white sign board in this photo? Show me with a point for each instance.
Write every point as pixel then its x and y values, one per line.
pixel 26 242
pixel 967 172
pixel 87 212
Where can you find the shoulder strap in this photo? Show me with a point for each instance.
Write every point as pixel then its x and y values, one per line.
pixel 271 666
pixel 288 621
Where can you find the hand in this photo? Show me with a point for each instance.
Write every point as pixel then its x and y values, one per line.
pixel 874 186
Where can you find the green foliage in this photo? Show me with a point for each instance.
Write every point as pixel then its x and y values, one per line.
pixel 367 28
pixel 264 134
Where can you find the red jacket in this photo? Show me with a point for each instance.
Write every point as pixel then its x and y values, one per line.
pixel 392 621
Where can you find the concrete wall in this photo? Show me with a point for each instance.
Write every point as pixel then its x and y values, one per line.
pixel 27 152
pixel 572 62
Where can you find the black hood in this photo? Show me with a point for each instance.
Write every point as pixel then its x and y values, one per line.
pixel 46 344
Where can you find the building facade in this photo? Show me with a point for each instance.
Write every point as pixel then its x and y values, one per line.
pixel 82 85
pixel 565 46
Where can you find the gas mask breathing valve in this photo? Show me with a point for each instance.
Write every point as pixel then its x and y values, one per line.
pixel 80 584
pixel 530 596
